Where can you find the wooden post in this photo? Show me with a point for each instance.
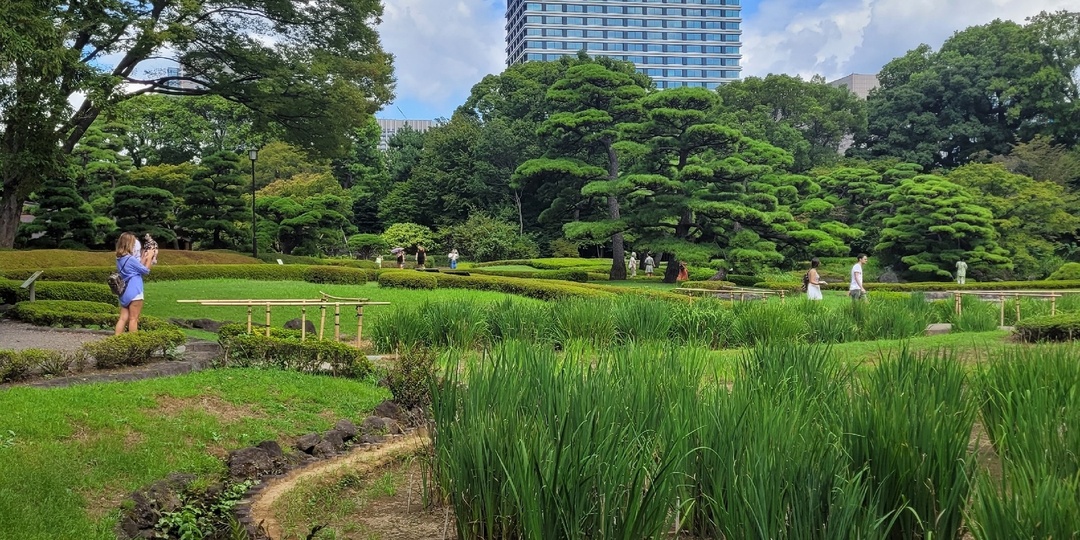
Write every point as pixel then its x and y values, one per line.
pixel 1001 298
pixel 249 319
pixel 268 319
pixel 1053 303
pixel 1017 307
pixel 303 323
pixel 337 322
pixel 781 297
pixel 322 319
pixel 957 304
pixel 359 324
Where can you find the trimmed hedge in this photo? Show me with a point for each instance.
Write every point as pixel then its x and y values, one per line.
pixel 133 349
pixel 301 259
pixel 577 275
pixel 533 288
pixel 712 285
pixel 76 314
pixel 11 293
pixel 409 279
pixel 552 263
pixel 15 365
pixel 1063 327
pixel 930 286
pixel 284 350
pixel 744 281
pixel 262 272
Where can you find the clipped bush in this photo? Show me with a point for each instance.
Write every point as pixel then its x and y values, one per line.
pixel 1067 272
pixel 134 349
pixel 580 276
pixel 11 293
pixel 407 279
pixel 76 314
pixel 1063 327
pixel 14 366
pixel 533 288
pixel 743 280
pixel 929 286
pixel 410 378
pixel 321 273
pixel 336 274
pixel 48 362
pixel 712 285
pixel 602 265
pixel 284 350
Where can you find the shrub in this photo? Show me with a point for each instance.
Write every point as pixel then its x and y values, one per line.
pixel 133 349
pixel 1063 327
pixel 14 366
pixel 743 280
pixel 328 272
pixel 76 314
pixel 1067 272
pixel 936 285
pixel 368 245
pixel 11 293
pixel 284 350
pixel 408 279
pixel 533 288
pixel 49 362
pixel 484 238
pixel 335 274
pixel 580 276
pixel 409 235
pixel 410 378
pixel 712 285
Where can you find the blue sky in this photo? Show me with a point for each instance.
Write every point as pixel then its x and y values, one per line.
pixel 443 47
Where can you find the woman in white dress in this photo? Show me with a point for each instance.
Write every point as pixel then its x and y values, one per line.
pixel 813 289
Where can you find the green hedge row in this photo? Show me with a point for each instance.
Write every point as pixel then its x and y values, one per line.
pixel 577 275
pixel 533 288
pixel 76 314
pixel 262 272
pixel 283 349
pixel 272 258
pixel 712 285
pixel 133 349
pixel 11 293
pixel 931 286
pixel 1063 327
pixel 552 264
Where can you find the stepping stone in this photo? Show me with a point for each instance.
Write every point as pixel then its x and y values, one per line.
pixel 938 329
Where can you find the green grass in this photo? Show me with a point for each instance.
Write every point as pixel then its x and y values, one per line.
pixel 39 259
pixel 512 268
pixel 161 300
pixel 68 456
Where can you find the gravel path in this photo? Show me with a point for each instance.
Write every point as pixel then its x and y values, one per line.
pixel 19 336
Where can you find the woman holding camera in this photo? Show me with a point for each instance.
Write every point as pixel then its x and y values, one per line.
pixel 132 268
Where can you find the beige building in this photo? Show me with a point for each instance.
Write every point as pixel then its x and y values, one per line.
pixel 859 84
pixel 391 127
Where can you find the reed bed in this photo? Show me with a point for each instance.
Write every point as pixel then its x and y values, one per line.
pixel 637 440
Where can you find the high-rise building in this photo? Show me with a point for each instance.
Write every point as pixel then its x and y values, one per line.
pixel 859 84
pixel 676 42
pixel 390 128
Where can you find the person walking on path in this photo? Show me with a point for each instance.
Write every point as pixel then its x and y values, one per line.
pixel 421 257
pixel 856 290
pixel 961 272
pixel 814 283
pixel 131 270
pixel 633 264
pixel 649 264
pixel 453 256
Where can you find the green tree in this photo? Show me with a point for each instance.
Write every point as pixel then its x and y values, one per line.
pixel 408 236
pixel 314 69
pixel 317 225
pixel 592 100
pixel 483 238
pixel 367 245
pixel 62 218
pixel 278 160
pixel 937 223
pixel 100 162
pixel 143 210
pixel 364 173
pixel 214 202
pixel 167 129
pixel 1033 218
pixel 809 119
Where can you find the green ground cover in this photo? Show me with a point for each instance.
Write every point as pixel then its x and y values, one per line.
pixel 38 259
pixel 68 456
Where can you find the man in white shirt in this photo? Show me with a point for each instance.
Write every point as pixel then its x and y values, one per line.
pixel 856 290
pixel 961 272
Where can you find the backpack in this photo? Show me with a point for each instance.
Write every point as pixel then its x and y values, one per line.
pixel 117 283
pixel 805 281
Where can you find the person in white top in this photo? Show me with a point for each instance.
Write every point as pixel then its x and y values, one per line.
pixel 961 272
pixel 857 291
pixel 813 288
pixel 633 264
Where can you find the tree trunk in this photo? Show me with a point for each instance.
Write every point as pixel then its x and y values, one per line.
pixel 618 251
pixel 10 215
pixel 671 272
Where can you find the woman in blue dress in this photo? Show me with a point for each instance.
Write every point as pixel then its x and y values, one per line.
pixel 132 269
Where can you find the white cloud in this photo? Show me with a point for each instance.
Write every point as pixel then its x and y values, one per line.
pixel 442 47
pixel 837 37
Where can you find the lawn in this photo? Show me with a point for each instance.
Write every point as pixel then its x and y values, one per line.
pixel 69 456
pixel 161 300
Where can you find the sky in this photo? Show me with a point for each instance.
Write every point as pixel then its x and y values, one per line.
pixel 443 47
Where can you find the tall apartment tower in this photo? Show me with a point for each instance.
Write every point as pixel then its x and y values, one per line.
pixel 676 42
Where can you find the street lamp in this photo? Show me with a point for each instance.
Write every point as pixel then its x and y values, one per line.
pixel 253 154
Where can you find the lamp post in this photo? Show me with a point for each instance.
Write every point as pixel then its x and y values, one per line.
pixel 253 154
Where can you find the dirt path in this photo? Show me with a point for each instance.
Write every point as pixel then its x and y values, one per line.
pixel 358 461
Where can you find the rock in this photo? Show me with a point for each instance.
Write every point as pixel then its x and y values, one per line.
pixel 938 329
pixel 373 425
pixel 307 443
pixel 323 450
pixel 888 276
pixel 347 428
pixel 149 504
pixel 389 409
pixel 272 449
pixel 335 438
pixel 371 439
pixel 392 426
pixel 295 325
pixel 251 462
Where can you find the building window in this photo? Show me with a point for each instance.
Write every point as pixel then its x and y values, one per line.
pixel 552 7
pixel 594 21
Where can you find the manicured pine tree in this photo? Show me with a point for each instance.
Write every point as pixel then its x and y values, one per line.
pixel 214 202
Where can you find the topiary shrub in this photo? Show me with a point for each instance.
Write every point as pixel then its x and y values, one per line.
pixel 11 293
pixel 1067 272
pixel 409 379
pixel 134 349
pixel 408 280
pixel 284 350
pixel 742 280
pixel 335 274
pixel 1063 327
pixel 711 285
pixel 14 366
pixel 77 314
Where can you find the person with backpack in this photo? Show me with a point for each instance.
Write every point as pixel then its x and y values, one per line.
pixel 812 281
pixel 131 270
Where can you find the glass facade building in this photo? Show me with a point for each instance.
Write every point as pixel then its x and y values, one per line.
pixel 676 42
